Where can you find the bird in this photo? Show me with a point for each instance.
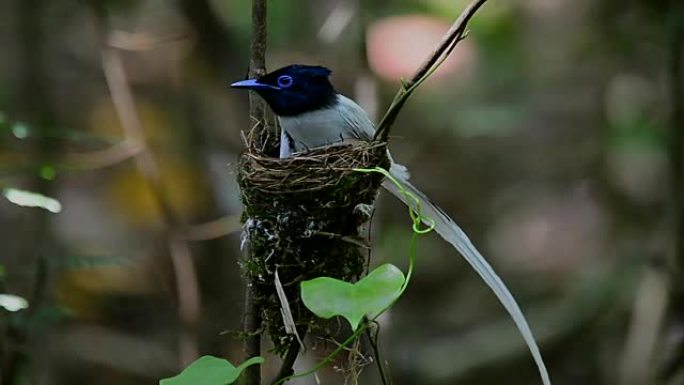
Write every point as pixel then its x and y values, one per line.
pixel 312 114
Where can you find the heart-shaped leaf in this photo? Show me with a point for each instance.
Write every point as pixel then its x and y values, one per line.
pixel 209 370
pixel 328 297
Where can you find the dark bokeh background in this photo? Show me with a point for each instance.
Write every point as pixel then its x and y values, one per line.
pixel 551 136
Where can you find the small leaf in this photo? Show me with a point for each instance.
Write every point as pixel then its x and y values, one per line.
pixel 12 303
pixel 209 370
pixel 328 297
pixel 20 130
pixel 30 199
pixel 48 172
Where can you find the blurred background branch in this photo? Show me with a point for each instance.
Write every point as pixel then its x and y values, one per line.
pixel 672 371
pixel 34 105
pixel 181 258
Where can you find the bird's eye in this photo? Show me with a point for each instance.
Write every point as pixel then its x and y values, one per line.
pixel 285 81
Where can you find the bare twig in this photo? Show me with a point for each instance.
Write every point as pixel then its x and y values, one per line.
pixel 373 340
pixel 455 34
pixel 107 157
pixel 213 229
pixel 352 239
pixel 257 67
pixel 138 41
pixel 187 291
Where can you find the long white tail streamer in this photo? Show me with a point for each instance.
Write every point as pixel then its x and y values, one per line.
pixel 450 232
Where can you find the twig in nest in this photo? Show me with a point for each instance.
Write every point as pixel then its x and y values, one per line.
pixel 354 240
pixel 455 34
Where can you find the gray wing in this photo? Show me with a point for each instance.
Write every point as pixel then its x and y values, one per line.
pixel 285 145
pixel 356 120
pixel 360 127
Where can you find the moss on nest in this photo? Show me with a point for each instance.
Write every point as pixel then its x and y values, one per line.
pixel 301 217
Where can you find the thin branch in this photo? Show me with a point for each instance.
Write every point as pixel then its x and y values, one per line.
pixel 252 330
pixel 187 291
pixel 329 358
pixel 139 41
pixel 351 239
pixel 455 34
pixel 213 229
pixel 257 67
pixel 107 157
pixel 287 367
pixel 373 340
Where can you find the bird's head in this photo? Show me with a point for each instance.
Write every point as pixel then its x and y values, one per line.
pixel 294 89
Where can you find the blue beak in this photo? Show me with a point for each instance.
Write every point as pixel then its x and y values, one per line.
pixel 252 84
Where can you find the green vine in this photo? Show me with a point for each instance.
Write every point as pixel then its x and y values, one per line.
pixel 225 370
pixel 417 219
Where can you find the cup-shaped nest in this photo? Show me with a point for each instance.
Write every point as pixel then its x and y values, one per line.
pixel 302 219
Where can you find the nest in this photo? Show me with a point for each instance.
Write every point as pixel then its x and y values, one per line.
pixel 302 217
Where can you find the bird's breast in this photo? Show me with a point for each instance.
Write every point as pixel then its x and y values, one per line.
pixel 342 120
pixel 315 129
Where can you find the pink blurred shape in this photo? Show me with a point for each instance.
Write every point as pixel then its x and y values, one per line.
pixel 398 45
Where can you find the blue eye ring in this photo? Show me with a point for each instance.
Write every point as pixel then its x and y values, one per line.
pixel 285 81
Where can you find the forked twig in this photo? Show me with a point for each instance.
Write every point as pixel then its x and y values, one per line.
pixel 455 34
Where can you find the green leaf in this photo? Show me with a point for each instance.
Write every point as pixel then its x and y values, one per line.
pixel 13 303
pixel 328 297
pixel 30 199
pixel 209 370
pixel 48 172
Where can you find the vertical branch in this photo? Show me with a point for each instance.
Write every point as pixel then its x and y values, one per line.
pixel 373 340
pixel 257 67
pixel 252 345
pixel 675 364
pixel 287 367
pixel 676 80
